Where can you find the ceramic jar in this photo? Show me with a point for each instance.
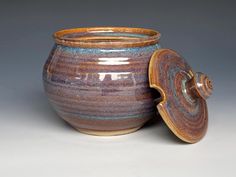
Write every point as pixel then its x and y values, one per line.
pixel 97 78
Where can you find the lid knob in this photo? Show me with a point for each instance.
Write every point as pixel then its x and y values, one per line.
pixel 200 86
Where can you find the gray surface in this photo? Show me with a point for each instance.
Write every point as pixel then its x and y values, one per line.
pixel 35 142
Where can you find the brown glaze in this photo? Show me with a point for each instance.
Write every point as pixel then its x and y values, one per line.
pixel 183 106
pixel 200 86
pixel 97 78
pixel 91 38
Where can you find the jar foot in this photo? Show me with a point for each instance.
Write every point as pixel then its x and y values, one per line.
pixel 109 132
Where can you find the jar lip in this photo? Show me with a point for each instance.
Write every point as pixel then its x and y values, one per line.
pixel 107 37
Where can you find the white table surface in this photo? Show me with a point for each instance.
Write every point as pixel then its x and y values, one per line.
pixel 34 141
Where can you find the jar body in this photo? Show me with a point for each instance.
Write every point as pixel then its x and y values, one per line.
pixel 101 91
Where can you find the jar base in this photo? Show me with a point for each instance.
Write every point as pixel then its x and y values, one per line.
pixel 108 133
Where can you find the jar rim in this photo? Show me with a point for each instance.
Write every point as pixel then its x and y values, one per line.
pixel 107 37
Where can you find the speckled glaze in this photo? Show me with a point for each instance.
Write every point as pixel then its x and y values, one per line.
pixel 183 94
pixel 97 78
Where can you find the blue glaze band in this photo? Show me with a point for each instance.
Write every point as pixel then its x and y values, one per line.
pixel 124 51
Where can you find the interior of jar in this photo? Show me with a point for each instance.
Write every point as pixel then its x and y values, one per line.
pixel 105 36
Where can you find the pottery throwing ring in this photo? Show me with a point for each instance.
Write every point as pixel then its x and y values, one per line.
pixel 183 94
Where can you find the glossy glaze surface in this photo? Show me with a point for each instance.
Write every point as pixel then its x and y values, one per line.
pixel 101 90
pixel 183 106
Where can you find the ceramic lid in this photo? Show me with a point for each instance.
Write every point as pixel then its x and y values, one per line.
pixel 183 94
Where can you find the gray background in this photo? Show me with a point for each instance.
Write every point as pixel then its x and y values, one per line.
pixel 34 141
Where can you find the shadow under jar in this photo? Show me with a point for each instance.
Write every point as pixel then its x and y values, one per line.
pixel 97 78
